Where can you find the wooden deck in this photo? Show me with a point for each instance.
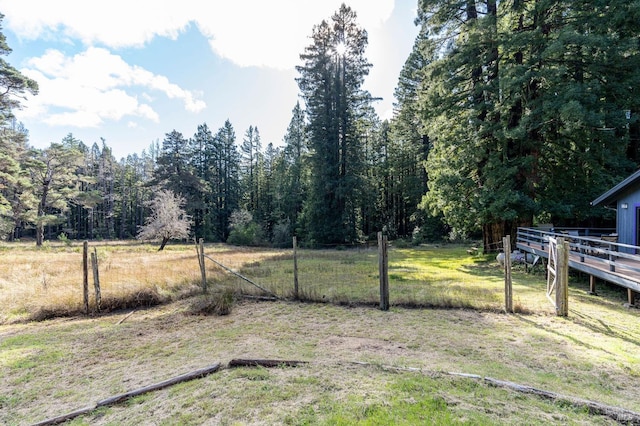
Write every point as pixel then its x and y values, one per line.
pixel 612 262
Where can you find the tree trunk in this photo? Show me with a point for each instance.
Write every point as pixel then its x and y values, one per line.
pixel 165 240
pixel 39 234
pixel 492 234
pixel 41 211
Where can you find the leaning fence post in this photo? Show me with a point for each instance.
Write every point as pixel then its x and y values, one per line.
pixel 85 275
pixel 383 267
pixel 96 277
pixel 508 285
pixel 295 268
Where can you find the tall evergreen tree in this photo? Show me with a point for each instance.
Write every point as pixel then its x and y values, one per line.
pixel 14 193
pixel 202 160
pixel 225 190
pixel 134 193
pixel 407 148
pixel 330 81
pixel 292 183
pixel 251 152
pixel 17 200
pixel 474 188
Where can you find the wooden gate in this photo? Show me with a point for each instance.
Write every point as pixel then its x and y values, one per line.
pixel 551 269
pixel 558 275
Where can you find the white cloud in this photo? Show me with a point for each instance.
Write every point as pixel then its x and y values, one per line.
pixel 96 85
pixel 115 23
pixel 247 32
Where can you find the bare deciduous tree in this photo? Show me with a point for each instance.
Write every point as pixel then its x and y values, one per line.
pixel 168 219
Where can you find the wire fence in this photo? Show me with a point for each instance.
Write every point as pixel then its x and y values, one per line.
pixel 417 277
pixel 50 279
pixel 337 276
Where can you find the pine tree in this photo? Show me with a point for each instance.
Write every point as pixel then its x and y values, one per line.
pixel 15 195
pixel 17 200
pixel 291 172
pixel 330 81
pixel 225 184
pixel 251 152
pixel 202 150
pixel 55 173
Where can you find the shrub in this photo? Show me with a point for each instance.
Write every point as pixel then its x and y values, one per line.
pixel 244 231
pixel 218 303
pixel 282 234
pixel 64 239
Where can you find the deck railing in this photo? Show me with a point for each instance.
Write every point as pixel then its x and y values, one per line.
pixel 584 248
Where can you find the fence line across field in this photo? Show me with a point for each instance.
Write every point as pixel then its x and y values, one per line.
pixel 340 276
pixel 383 272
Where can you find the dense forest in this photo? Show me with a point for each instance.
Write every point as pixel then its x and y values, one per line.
pixel 507 113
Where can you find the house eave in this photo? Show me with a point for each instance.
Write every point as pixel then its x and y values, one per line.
pixel 611 195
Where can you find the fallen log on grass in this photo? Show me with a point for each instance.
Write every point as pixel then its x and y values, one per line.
pixel 267 363
pixel 157 386
pixel 67 417
pixel 124 396
pixel 618 414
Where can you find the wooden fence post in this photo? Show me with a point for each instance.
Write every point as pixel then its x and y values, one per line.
pixel 203 269
pixel 383 267
pixel 562 279
pixel 508 285
pixel 85 275
pixel 295 268
pixel 96 278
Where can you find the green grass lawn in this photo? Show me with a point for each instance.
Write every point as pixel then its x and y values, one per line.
pixel 427 276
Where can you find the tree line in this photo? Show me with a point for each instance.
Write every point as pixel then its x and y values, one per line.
pixel 507 114
pixel 530 107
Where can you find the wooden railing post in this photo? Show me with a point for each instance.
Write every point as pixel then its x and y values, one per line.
pixel 612 259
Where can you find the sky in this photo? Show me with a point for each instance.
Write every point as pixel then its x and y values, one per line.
pixel 129 72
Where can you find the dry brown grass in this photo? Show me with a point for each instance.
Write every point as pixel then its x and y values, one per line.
pixel 47 282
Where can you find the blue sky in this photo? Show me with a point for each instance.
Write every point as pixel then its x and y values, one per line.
pixel 132 71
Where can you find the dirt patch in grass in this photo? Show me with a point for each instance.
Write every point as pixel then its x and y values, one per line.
pixel 345 345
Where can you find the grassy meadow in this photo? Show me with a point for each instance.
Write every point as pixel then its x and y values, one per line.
pixel 51 367
pixel 47 282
